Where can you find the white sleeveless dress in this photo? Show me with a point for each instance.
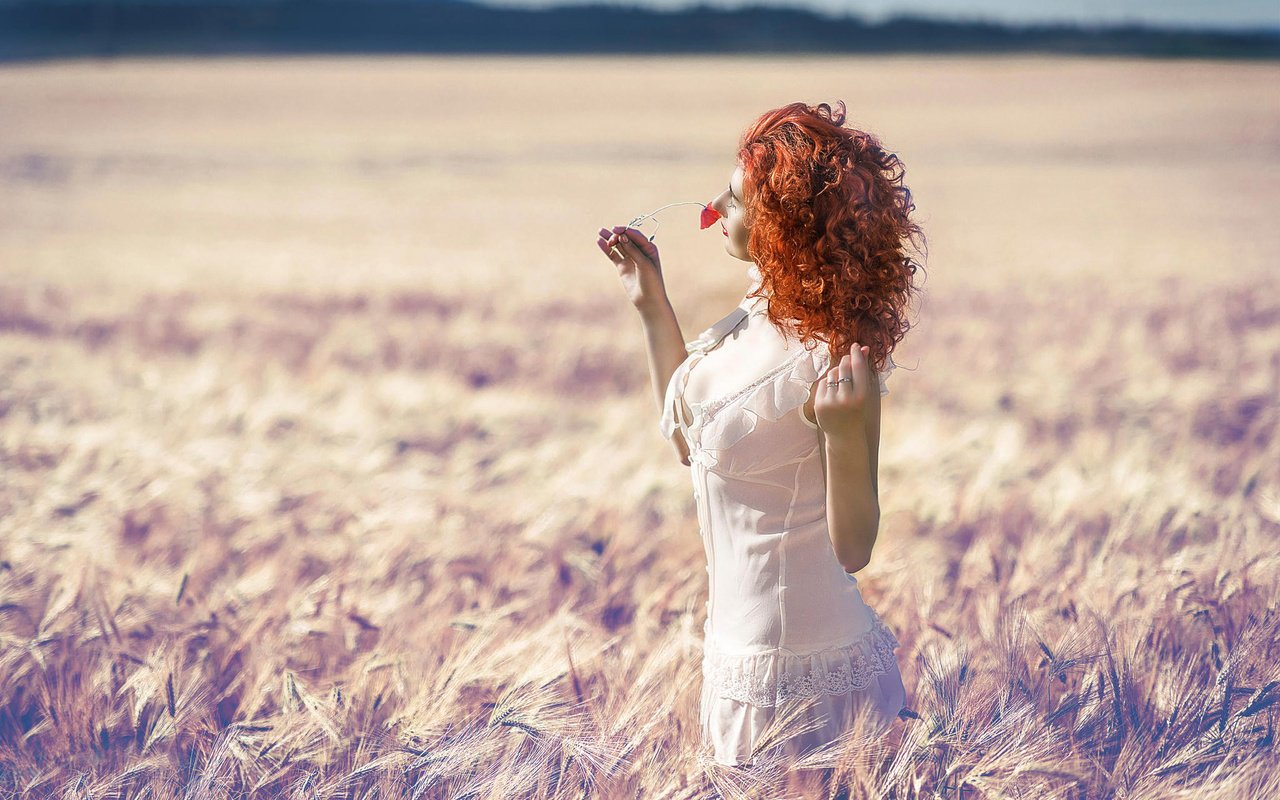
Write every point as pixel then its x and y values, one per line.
pixel 785 622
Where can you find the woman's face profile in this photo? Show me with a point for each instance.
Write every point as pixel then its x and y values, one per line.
pixel 730 203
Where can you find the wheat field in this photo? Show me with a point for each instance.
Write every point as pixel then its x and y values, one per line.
pixel 331 468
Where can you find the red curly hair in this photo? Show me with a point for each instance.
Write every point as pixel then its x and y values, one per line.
pixel 829 222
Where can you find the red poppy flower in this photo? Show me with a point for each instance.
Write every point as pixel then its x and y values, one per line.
pixel 709 217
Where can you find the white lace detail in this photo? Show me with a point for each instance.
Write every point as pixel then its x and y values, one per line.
pixel 804 367
pixel 710 408
pixel 773 678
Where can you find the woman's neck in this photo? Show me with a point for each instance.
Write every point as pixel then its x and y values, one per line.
pixel 754 304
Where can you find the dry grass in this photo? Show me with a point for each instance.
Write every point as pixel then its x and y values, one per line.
pixel 330 467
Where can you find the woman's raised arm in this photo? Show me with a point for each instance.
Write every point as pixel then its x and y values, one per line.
pixel 640 270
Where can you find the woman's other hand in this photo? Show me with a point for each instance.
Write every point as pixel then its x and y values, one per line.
pixel 839 408
pixel 639 265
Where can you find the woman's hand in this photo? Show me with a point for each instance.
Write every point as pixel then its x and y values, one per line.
pixel 839 408
pixel 638 263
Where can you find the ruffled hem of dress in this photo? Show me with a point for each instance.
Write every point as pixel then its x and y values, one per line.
pixel 731 730
pixel 769 679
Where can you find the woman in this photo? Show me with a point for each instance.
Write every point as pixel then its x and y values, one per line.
pixel 773 409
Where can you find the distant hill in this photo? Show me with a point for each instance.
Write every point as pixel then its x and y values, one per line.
pixel 38 29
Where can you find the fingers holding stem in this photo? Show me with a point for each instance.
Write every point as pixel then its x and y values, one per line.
pixel 608 243
pixel 633 244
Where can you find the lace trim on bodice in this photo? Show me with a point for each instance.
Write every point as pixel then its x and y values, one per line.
pixel 777 392
pixel 770 679
pixel 710 407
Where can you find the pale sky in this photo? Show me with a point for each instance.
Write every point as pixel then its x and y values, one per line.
pixel 1166 13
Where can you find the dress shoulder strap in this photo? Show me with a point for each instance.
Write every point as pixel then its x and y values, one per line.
pixel 711 337
pixel 697 347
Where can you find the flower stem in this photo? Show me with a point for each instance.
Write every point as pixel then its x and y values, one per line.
pixel 643 217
